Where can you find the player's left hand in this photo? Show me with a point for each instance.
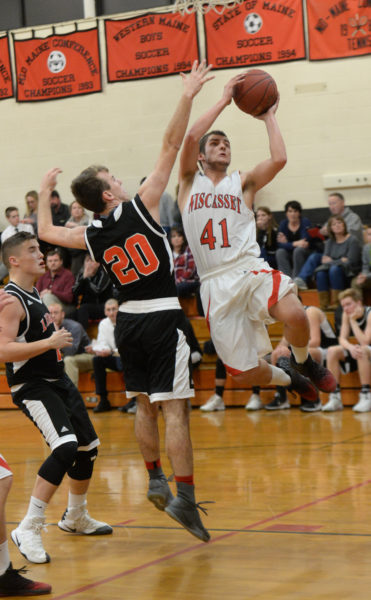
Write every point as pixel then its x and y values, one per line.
pixel 49 181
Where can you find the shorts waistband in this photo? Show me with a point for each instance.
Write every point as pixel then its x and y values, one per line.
pixel 247 262
pixel 152 305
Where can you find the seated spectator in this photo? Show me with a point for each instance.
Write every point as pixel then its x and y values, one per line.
pixel 78 217
pixel 186 278
pixel 78 358
pixel 293 240
pixel 336 204
pixel 91 290
pixel 166 210
pixel 30 217
pixel 266 235
pixel 340 262
pixel 57 282
pixel 106 355
pixel 15 225
pixel 348 356
pixel 60 211
pixel 363 280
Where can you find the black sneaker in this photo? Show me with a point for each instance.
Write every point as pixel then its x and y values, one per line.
pixel 103 406
pixel 307 406
pixel 185 512
pixel 279 402
pixel 319 375
pixel 299 384
pixel 128 405
pixel 159 492
pixel 14 584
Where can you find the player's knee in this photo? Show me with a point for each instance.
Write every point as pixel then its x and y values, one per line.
pixel 83 466
pixel 57 464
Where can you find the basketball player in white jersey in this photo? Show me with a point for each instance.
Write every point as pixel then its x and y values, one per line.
pixel 240 292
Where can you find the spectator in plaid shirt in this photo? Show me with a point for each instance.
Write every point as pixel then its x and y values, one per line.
pixel 186 278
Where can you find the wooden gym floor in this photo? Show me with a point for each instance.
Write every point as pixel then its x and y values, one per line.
pixel 291 518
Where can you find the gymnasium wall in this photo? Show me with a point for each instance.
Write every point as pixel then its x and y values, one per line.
pixel 324 115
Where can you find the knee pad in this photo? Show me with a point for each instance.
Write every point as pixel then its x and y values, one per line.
pixel 83 466
pixel 57 464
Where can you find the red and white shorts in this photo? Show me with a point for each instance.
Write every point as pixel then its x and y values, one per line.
pixel 236 304
pixel 4 468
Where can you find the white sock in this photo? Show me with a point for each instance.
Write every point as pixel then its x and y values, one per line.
pixel 36 508
pixel 301 354
pixel 279 377
pixel 4 557
pixel 75 500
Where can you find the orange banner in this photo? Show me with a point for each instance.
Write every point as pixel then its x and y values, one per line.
pixel 338 29
pixel 58 66
pixel 152 45
pixel 255 32
pixel 6 83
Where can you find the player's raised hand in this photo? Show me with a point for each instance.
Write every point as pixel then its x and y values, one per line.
pixel 229 87
pixel 60 339
pixel 49 181
pixel 194 80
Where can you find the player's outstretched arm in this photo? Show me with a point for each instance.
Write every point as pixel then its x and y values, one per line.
pixel 265 171
pixel 190 150
pixel 12 351
pixel 155 184
pixel 61 236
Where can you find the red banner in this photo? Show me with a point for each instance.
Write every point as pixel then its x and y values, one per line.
pixel 255 32
pixel 338 29
pixel 152 45
pixel 6 84
pixel 58 66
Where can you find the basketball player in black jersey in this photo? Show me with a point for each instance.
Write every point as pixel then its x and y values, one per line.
pixel 129 242
pixel 30 346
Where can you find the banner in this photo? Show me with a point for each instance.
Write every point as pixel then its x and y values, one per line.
pixel 6 83
pixel 338 29
pixel 152 45
pixel 58 66
pixel 255 32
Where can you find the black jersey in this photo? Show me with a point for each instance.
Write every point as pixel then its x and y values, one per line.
pixel 134 251
pixel 36 326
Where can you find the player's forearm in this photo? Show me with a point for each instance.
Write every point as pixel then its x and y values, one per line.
pixel 177 126
pixel 203 124
pixel 18 351
pixel 276 142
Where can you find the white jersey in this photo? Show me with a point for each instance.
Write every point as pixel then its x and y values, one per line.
pixel 219 227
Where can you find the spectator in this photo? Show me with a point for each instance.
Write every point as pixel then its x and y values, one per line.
pixel 56 283
pixel 78 217
pixel 186 278
pixel 336 204
pixel 30 217
pixel 363 280
pixel 60 211
pixel 12 214
pixel 266 235
pixel 341 261
pixel 106 354
pixel 349 356
pixel 78 357
pixel 91 290
pixel 293 240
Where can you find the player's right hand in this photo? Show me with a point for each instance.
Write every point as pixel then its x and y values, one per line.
pixel 229 87
pixel 60 339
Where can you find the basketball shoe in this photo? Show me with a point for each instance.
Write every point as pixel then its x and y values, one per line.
pixel 78 520
pixel 322 378
pixel 14 584
pixel 334 403
pixel 299 383
pixel 254 402
pixel 364 403
pixel 159 492
pixel 27 538
pixel 215 402
pixel 185 512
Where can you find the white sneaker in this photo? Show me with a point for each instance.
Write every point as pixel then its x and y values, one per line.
pixel 27 538
pixel 334 403
pixel 364 402
pixel 254 402
pixel 213 403
pixel 78 520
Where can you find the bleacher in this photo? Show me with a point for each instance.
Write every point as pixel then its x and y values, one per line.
pixel 204 375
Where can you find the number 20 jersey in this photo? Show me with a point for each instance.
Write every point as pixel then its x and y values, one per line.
pixel 134 251
pixel 219 226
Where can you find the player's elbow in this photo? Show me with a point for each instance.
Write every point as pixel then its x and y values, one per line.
pixel 280 162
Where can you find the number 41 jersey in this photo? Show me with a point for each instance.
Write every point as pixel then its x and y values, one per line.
pixel 134 251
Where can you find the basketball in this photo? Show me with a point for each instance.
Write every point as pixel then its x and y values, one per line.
pixel 256 93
